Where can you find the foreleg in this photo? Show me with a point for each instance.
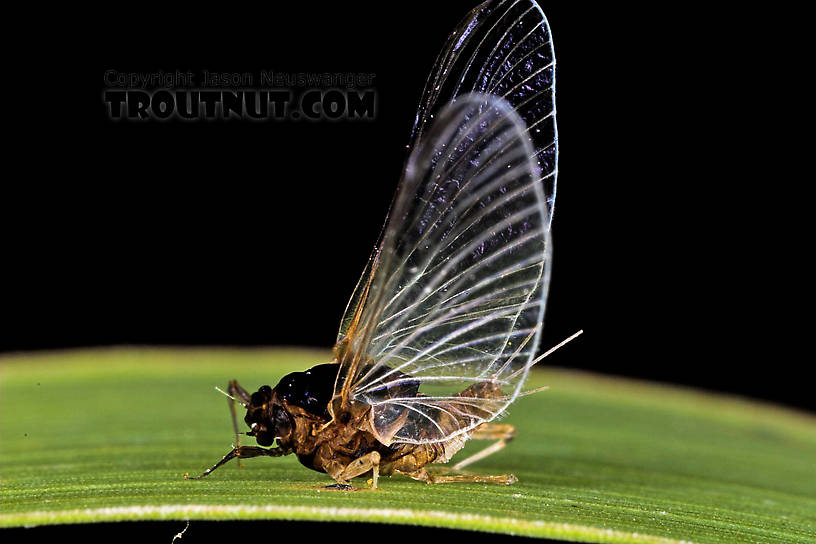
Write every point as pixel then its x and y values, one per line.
pixel 243 451
pixel 236 393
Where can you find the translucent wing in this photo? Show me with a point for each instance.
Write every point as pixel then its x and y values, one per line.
pixel 452 309
pixel 503 48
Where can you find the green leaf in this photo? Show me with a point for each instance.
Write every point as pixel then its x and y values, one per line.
pixel 102 435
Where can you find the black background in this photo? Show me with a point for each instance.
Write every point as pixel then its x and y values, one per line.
pixel 667 241
pixel 674 243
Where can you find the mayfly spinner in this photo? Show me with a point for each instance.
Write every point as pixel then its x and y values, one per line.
pixel 444 324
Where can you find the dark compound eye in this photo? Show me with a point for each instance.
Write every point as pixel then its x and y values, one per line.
pixel 261 396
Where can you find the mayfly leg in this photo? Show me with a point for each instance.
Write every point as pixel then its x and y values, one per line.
pixel 236 394
pixel 361 465
pixel 428 477
pixel 242 451
pixel 500 432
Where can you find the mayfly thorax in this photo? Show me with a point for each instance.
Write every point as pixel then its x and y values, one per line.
pixel 444 324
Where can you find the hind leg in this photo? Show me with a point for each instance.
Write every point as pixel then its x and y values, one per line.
pixel 500 432
pixel 428 477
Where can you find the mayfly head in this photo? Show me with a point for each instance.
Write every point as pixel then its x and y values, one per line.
pixel 267 417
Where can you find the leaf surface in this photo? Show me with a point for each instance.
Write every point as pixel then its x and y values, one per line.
pixel 107 434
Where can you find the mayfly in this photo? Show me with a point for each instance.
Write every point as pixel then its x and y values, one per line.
pixel 444 324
